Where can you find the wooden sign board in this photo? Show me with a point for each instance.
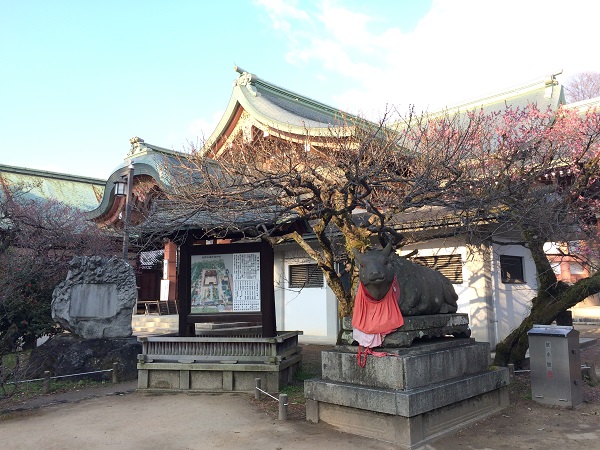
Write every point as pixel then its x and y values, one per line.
pixel 226 283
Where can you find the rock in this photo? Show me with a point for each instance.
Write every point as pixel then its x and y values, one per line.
pixel 96 299
pixel 67 354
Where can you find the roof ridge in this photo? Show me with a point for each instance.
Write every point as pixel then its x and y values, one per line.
pixel 251 78
pixel 509 92
pixel 582 104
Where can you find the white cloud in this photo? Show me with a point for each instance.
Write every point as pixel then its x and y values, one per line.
pixel 459 50
pixel 201 127
pixel 280 13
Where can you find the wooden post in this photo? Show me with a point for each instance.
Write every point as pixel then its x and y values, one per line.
pixel 283 406
pixel 267 307
pixel 184 289
pixel 592 374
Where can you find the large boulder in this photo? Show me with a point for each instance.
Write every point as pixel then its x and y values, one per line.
pixel 66 354
pixel 97 298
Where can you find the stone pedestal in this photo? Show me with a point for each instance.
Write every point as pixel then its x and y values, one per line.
pixel 419 394
pixel 418 327
pixel 217 364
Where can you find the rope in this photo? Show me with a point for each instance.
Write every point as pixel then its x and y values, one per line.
pixel 83 373
pixel 59 376
pixel 264 392
pixel 361 356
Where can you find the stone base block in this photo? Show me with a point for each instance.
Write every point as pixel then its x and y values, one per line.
pixel 206 377
pixel 408 432
pixel 406 403
pixel 416 366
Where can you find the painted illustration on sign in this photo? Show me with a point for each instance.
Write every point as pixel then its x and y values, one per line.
pixel 227 282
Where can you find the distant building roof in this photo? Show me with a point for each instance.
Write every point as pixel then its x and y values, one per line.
pixel 80 192
pixel 150 161
pixel 585 105
pixel 545 93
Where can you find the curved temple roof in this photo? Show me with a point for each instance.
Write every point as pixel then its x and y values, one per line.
pixel 544 93
pixel 274 108
pixel 270 108
pixel 148 160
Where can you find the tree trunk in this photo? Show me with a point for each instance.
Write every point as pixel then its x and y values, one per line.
pixel 545 308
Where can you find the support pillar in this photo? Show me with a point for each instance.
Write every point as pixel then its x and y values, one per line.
pixel 171 268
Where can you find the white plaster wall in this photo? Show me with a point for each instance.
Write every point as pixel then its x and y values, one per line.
pixel 513 301
pixel 310 310
pixel 474 293
pixel 494 308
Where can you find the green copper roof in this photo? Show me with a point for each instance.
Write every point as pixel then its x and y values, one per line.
pixel 156 162
pixel 545 93
pixel 585 105
pixel 280 109
pixel 80 192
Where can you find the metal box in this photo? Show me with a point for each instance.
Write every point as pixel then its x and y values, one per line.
pixel 555 365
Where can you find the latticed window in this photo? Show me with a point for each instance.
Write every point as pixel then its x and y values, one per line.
pixel 152 259
pixel 306 276
pixel 448 265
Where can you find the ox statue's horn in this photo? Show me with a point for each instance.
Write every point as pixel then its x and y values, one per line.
pixel 387 250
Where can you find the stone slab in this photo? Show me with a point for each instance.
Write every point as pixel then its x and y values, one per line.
pixel 216 377
pixel 408 432
pixel 93 300
pixel 408 369
pixel 405 403
pixel 421 327
pixel 175 377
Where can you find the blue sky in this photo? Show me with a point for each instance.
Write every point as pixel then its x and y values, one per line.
pixel 78 79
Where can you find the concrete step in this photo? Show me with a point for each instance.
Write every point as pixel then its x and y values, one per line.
pixel 155 324
pixel 154 330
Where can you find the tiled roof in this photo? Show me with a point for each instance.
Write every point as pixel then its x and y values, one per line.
pixel 80 192
pixel 276 108
pixel 545 93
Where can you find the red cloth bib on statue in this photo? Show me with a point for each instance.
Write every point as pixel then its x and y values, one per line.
pixel 377 317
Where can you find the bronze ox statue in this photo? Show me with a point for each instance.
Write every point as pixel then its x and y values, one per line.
pixel 422 290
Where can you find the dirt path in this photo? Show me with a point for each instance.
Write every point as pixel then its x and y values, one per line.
pixel 234 421
pixel 231 421
pixel 174 421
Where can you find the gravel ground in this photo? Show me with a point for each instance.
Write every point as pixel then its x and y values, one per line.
pixel 524 424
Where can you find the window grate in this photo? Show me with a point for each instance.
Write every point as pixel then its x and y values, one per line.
pixel 450 266
pixel 306 276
